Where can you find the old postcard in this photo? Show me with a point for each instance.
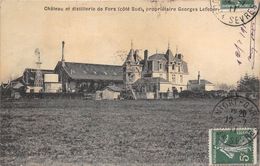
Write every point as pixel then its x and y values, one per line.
pixel 148 82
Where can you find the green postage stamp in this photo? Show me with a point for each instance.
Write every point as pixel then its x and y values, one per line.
pixel 233 146
pixel 227 4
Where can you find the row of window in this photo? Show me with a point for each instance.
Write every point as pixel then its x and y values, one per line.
pixel 174 78
pixel 173 67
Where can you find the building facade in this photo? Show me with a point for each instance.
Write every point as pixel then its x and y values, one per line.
pixel 171 69
pixel 84 77
pixel 158 75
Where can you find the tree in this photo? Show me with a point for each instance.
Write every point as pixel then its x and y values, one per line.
pixel 248 84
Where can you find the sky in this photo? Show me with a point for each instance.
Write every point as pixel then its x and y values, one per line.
pixel 100 37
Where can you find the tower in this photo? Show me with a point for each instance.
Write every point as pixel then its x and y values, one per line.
pixel 38 80
pixel 131 68
pixel 170 58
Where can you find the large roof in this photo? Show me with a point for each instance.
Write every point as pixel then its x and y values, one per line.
pixel 175 59
pixel 86 71
pixel 202 81
pixel 157 57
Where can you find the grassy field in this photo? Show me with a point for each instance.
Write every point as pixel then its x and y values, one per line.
pixel 60 132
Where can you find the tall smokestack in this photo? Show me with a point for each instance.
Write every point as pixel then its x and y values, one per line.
pixel 145 55
pixel 62 59
pixel 199 77
pixel 145 60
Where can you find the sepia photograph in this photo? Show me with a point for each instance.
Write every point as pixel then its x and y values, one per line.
pixel 135 82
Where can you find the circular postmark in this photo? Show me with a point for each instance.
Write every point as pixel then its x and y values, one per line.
pixel 235 12
pixel 236 113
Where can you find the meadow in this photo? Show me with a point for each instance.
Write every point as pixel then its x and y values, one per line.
pixel 76 132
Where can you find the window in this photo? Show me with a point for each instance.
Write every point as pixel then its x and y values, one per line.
pixel 181 78
pixel 160 66
pixel 173 67
pixel 174 78
pixel 179 69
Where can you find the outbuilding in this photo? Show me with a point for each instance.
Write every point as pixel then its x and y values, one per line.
pixel 109 93
pixel 200 85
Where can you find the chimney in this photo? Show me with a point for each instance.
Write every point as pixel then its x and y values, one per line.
pixel 179 56
pixel 145 59
pixel 199 77
pixel 62 59
pixel 145 55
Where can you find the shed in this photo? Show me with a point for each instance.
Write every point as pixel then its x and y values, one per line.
pixel 109 93
pixel 205 85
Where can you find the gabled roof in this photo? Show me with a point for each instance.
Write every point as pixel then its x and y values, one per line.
pixel 202 81
pixel 86 71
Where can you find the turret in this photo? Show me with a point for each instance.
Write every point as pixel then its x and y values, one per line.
pixel 170 58
pixel 131 67
pixel 169 55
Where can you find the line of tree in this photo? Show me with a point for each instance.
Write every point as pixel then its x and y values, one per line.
pixel 225 87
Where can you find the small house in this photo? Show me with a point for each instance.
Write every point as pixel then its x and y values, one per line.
pixel 200 85
pixel 109 93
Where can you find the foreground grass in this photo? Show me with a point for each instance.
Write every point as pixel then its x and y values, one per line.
pixel 77 131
